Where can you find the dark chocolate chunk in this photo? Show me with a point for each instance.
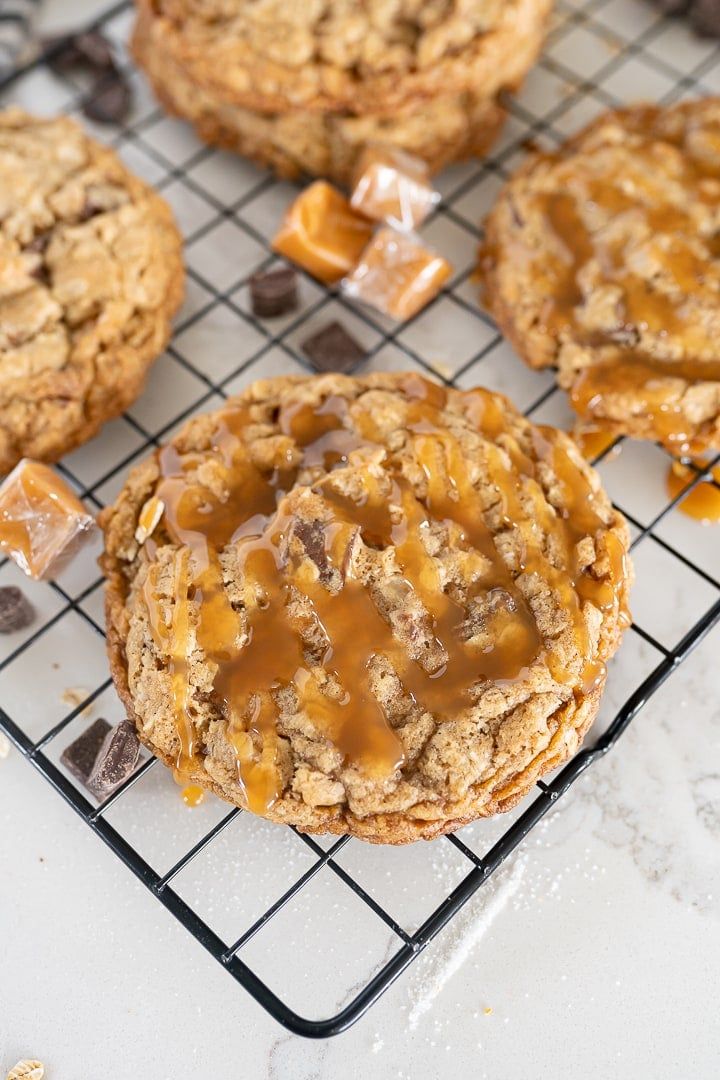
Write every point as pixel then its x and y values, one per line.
pixel 95 50
pixel 333 349
pixel 705 17
pixel 16 611
pixel 311 535
pixel 273 292
pixel 109 100
pixel 115 761
pixel 87 49
pixel 80 756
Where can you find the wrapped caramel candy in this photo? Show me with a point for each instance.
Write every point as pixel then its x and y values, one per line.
pixel 42 521
pixel 397 274
pixel 393 186
pixel 322 233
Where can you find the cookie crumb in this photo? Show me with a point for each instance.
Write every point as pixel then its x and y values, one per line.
pixel 75 695
pixel 27 1070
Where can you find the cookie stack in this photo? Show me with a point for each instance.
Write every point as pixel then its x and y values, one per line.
pixel 304 87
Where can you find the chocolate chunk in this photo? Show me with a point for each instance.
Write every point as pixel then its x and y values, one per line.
pixel 115 761
pixel 273 292
pixel 311 535
pixel 705 17
pixel 87 49
pixel 80 756
pixel 94 49
pixel 333 349
pixel 109 100
pixel 16 611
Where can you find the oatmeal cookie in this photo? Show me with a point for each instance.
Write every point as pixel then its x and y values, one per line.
pixel 90 275
pixel 304 87
pixel 603 259
pixel 366 605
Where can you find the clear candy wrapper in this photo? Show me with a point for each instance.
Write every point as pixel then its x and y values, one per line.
pixel 397 274
pixel 322 233
pixel 393 186
pixel 42 521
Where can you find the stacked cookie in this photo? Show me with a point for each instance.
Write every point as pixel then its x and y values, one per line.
pixel 303 87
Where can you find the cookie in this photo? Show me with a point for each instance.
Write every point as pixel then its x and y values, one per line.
pixel 90 276
pixel 304 88
pixel 602 258
pixel 371 605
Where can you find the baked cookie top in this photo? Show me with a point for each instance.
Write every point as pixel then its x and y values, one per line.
pixel 362 55
pixel 90 274
pixel 603 259
pixel 364 604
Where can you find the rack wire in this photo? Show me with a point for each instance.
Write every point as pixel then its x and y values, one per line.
pixel 600 53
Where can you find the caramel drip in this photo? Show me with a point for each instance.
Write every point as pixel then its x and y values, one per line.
pixel 263 643
pixel 645 307
pixel 703 502
pixel 636 373
pixel 594 441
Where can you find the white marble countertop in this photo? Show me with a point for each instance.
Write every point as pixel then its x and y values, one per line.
pixel 596 949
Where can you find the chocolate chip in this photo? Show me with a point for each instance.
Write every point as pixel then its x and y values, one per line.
pixel 311 535
pixel 273 292
pixel 80 756
pixel 115 761
pixel 109 100
pixel 333 349
pixel 16 611
pixel 705 17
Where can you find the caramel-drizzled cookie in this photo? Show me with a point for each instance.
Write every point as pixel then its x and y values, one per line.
pixel 304 87
pixel 367 605
pixel 602 259
pixel 90 275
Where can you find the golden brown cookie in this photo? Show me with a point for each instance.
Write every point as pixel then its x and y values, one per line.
pixel 304 87
pixel 603 259
pixel 90 276
pixel 365 605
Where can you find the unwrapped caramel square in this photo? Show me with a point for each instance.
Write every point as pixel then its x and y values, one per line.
pixel 42 521
pixel 322 233
pixel 397 274
pixel 393 186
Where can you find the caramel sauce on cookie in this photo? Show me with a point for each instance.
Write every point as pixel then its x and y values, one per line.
pixel 652 304
pixel 242 596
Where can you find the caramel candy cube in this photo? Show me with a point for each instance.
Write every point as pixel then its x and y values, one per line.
pixel 397 275
pixel 393 186
pixel 42 521
pixel 322 233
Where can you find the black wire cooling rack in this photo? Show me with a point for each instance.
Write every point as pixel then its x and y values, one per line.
pixel 600 53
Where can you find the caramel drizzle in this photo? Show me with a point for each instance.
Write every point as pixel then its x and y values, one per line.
pixel 660 312
pixel 258 643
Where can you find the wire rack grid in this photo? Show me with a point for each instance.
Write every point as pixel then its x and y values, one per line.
pixel 282 885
